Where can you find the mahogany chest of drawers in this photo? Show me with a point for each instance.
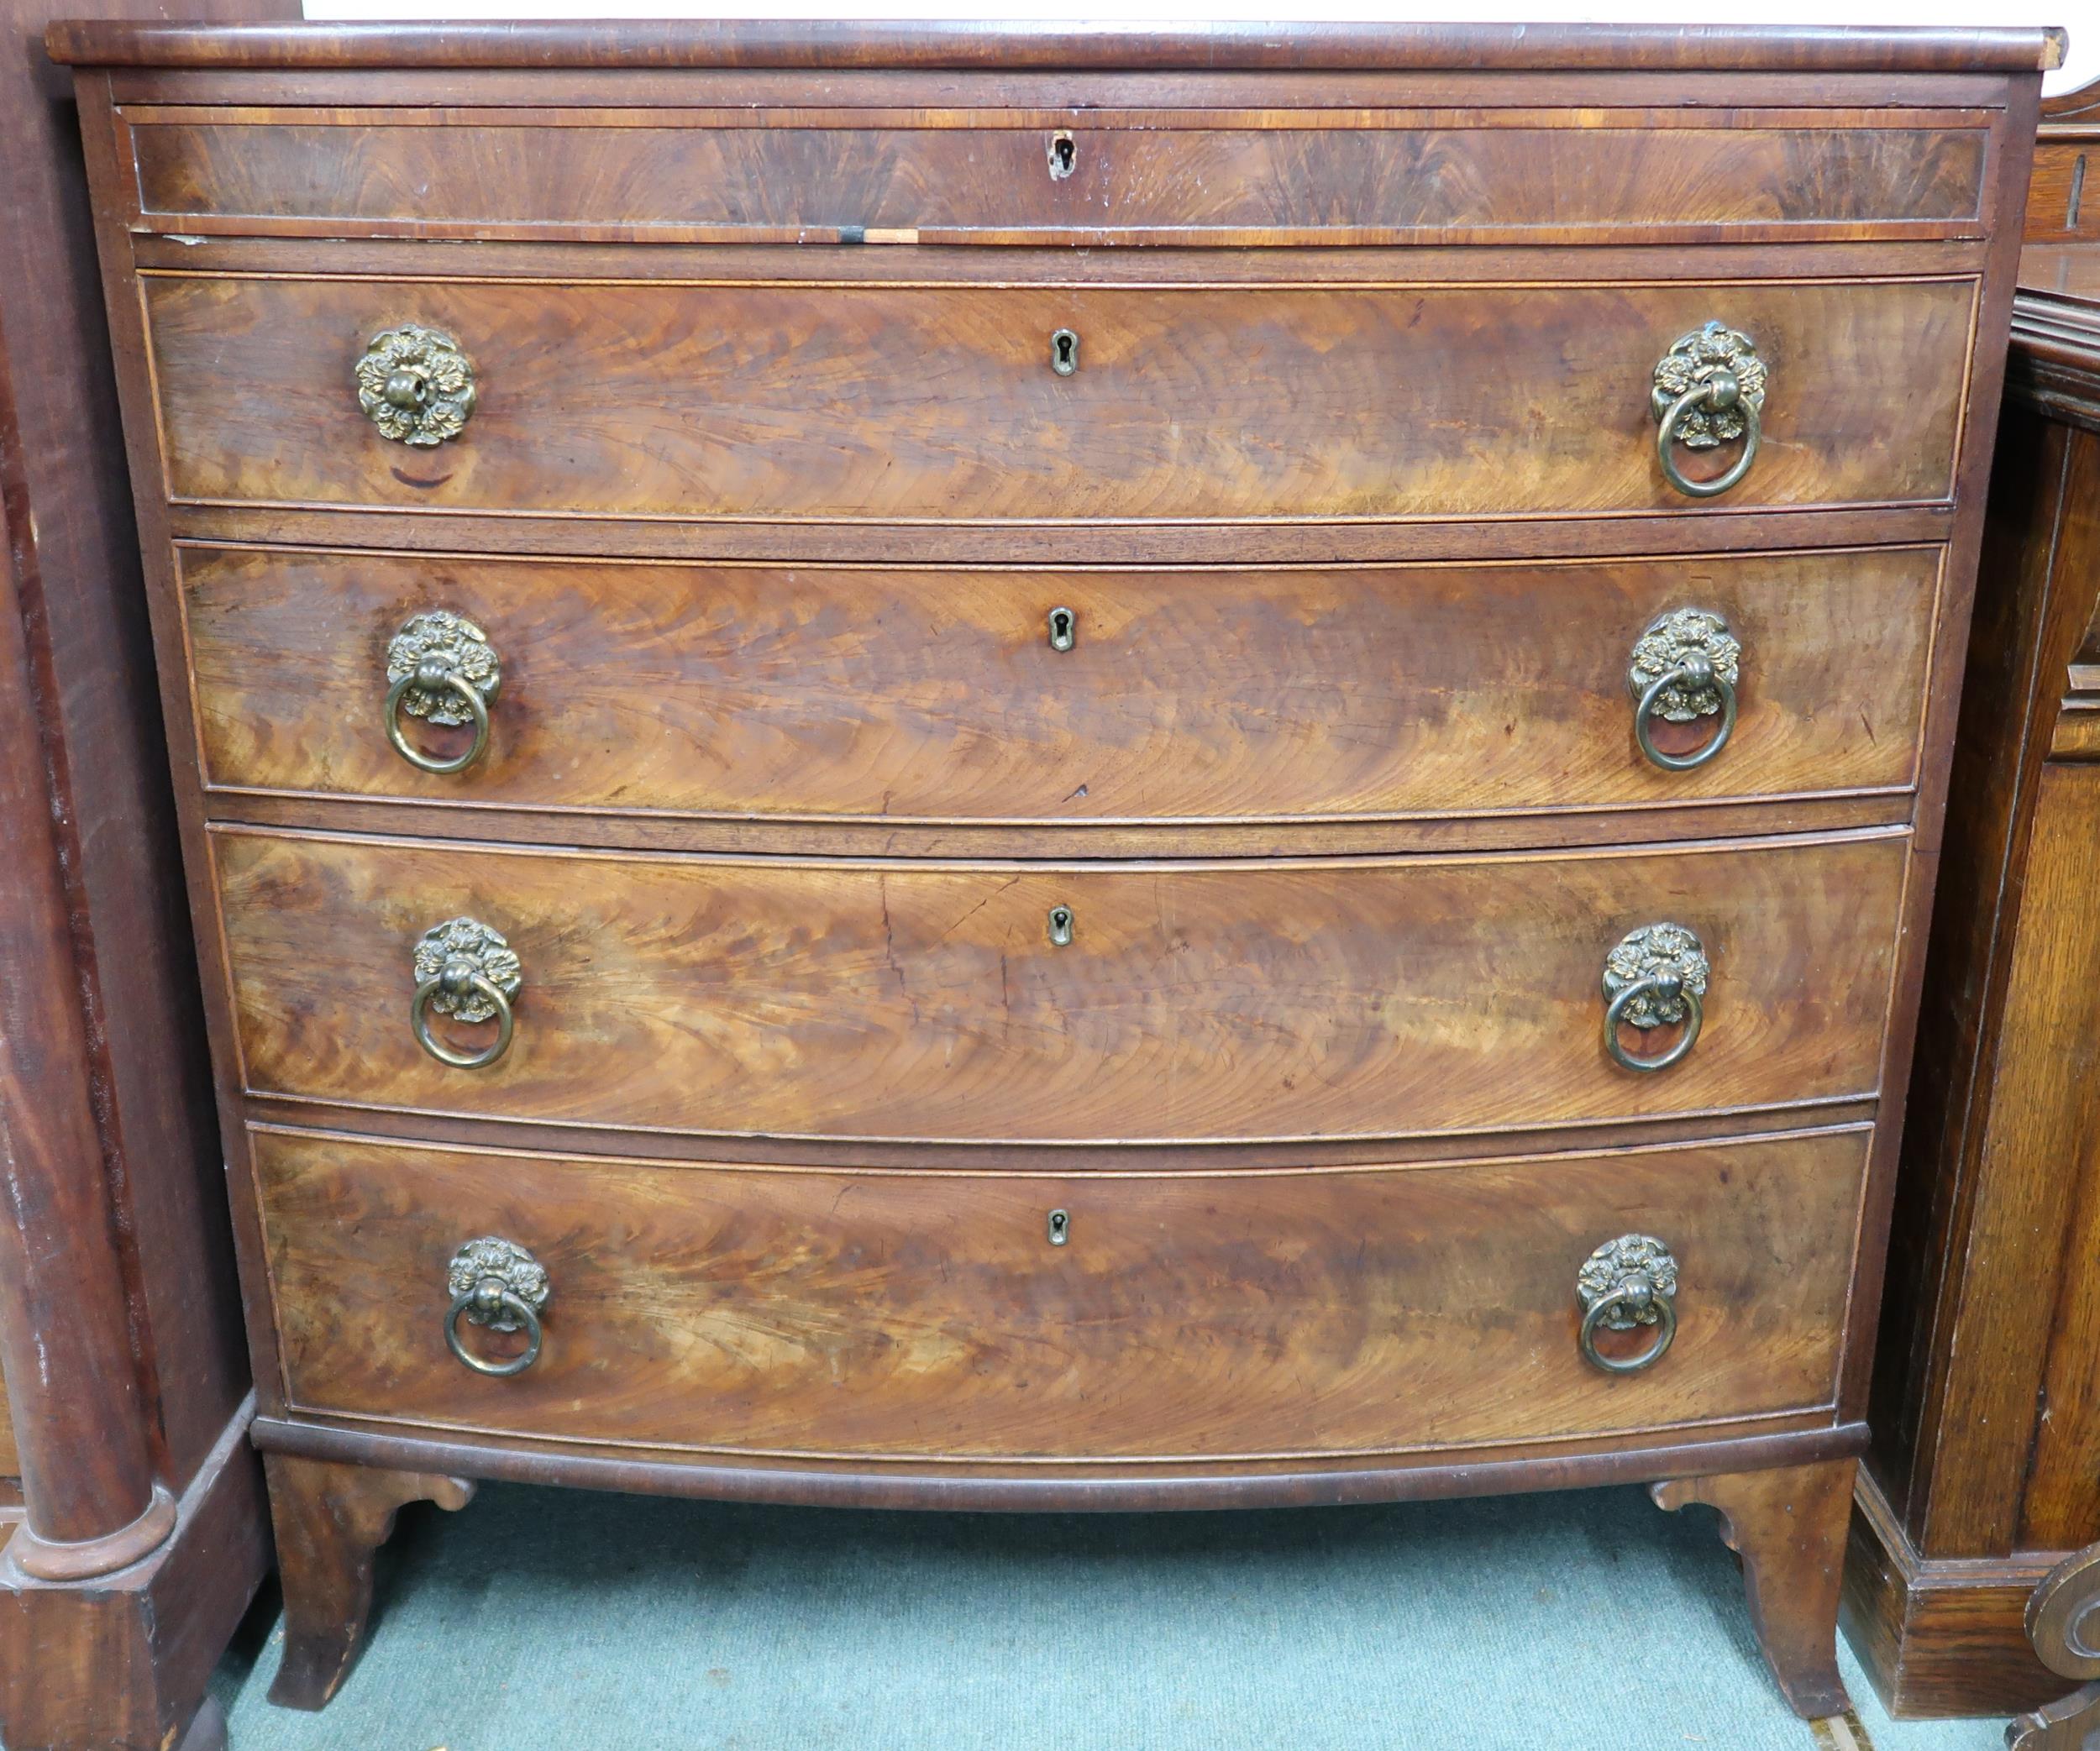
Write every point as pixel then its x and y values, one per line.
pixel 1009 770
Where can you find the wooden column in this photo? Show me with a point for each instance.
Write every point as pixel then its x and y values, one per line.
pixel 133 1528
pixel 87 1476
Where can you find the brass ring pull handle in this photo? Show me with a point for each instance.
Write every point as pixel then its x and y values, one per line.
pixel 497 1284
pixel 1664 988
pixel 1626 1282
pixel 1655 977
pixel 456 979
pixel 416 385
pixel 1709 390
pixel 466 970
pixel 1697 672
pixel 429 677
pixel 443 668
pixel 1684 666
pixel 1719 397
pixel 486 1301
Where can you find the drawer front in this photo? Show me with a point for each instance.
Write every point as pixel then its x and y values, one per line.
pixel 1354 176
pixel 942 402
pixel 1213 696
pixel 901 1315
pixel 894 1000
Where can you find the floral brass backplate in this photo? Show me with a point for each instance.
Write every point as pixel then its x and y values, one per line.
pixel 1608 1270
pixel 1670 640
pixel 500 1261
pixel 1654 951
pixel 416 385
pixel 441 636
pixel 1696 359
pixel 467 939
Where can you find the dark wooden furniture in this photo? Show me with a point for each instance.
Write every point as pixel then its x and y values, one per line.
pixel 1042 876
pixel 1986 1397
pixel 131 1509
pixel 2060 1617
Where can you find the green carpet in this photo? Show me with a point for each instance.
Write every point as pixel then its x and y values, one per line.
pixel 543 1620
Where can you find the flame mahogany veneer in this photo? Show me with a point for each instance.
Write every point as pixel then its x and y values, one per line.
pixel 1059 769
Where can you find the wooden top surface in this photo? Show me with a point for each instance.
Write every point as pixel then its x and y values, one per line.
pixel 1104 46
pixel 2068 273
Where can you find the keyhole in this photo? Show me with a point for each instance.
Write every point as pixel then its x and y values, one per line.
pixel 1064 153
pixel 1060 1227
pixel 1061 925
pixel 1064 629
pixel 1064 352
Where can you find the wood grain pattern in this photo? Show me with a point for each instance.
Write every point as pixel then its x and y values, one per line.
pixel 927 1316
pixel 1306 177
pixel 1789 1525
pixel 1297 999
pixel 126 1660
pixel 10 1464
pixel 938 401
pixel 99 753
pixel 1940 1635
pixel 825 261
pixel 2060 209
pixel 128 1384
pixel 2030 1156
pixel 2046 1106
pixel 330 1520
pixel 86 1440
pixel 2013 1148
pixel 1983 1409
pixel 1114 1485
pixel 1225 1054
pixel 1995 762
pixel 902 695
pixel 471 1132
pixel 1049 546
pixel 798 836
pixel 832 45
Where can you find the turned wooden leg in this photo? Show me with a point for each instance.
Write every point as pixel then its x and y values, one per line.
pixel 330 1519
pixel 2063 1622
pixel 1789 1527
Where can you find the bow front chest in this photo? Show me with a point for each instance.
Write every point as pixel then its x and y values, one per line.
pixel 998 769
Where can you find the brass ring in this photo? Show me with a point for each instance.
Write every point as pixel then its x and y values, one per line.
pixel 1666 435
pixel 467 691
pixel 419 1020
pixel 1693 1015
pixel 1667 1331
pixel 1643 712
pixel 516 1307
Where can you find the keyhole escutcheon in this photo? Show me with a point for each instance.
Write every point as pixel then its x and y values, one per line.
pixel 1060 1227
pixel 1064 629
pixel 1064 155
pixel 1061 926
pixel 1064 352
